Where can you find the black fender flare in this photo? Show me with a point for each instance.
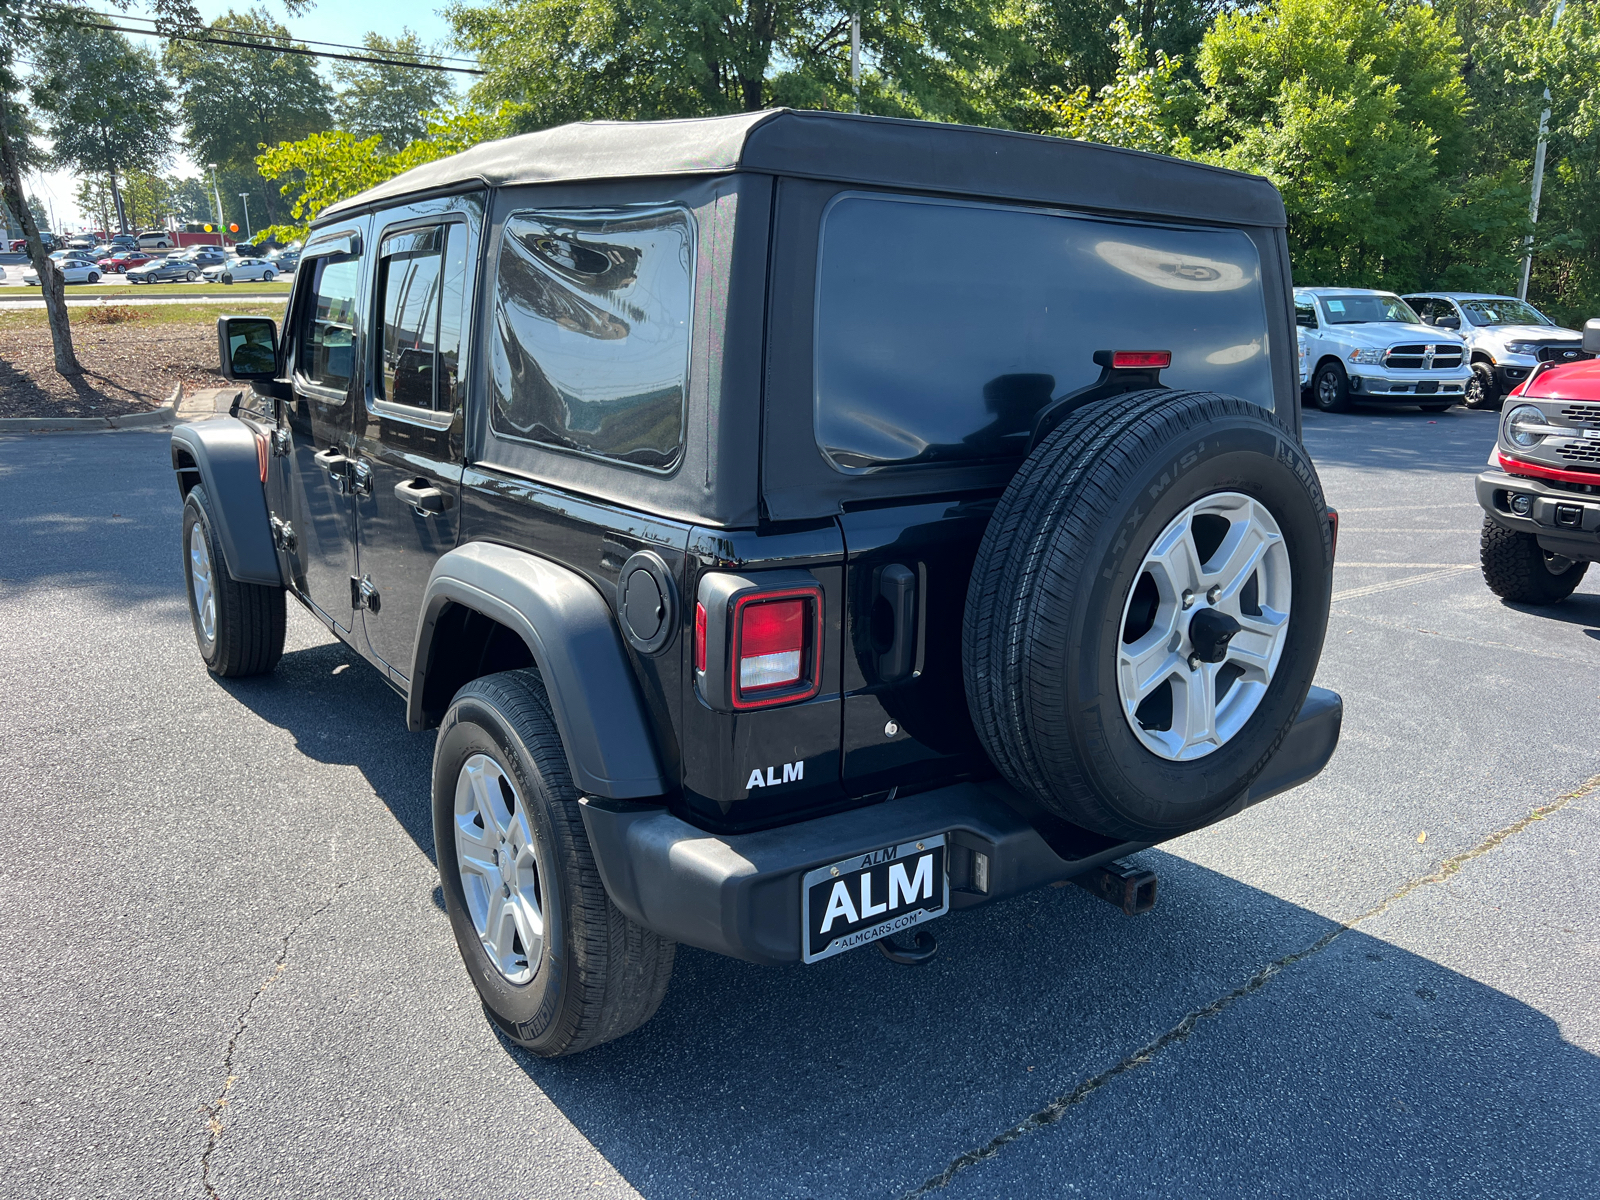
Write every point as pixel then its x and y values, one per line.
pixel 226 459
pixel 569 630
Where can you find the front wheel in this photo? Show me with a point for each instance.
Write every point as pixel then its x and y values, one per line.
pixel 1330 388
pixel 227 278
pixel 191 276
pixel 1518 569
pixel 239 627
pixel 1482 391
pixel 557 967
pixel 268 277
pixel 94 277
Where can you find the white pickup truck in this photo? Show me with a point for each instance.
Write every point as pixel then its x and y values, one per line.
pixel 1507 338
pixel 1359 344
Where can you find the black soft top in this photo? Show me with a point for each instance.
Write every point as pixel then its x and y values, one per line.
pixel 849 148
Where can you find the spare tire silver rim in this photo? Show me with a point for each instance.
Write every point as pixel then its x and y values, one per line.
pixel 201 584
pixel 499 868
pixel 1187 689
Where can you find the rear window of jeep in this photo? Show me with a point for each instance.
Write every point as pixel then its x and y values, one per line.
pixel 589 339
pixel 943 327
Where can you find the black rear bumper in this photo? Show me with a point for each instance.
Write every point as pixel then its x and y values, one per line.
pixel 739 894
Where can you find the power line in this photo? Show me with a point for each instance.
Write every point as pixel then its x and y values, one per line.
pixel 269 48
pixel 307 41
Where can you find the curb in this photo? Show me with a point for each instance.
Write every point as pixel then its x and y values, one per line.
pixel 145 420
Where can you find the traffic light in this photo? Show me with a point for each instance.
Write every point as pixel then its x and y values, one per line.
pixel 233 228
pixel 209 229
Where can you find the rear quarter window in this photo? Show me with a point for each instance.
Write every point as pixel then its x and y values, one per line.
pixel 943 327
pixel 589 345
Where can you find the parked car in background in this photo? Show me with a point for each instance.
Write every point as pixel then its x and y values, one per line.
pixel 172 269
pixel 285 261
pixel 240 270
pixel 20 245
pixel 155 239
pixel 1360 344
pixel 1507 338
pixel 203 256
pixel 73 270
pixel 124 259
pixel 1541 493
pixel 82 241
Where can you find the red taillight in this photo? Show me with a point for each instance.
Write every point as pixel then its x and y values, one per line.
pixel 772 644
pixel 776 648
pixel 700 637
pixel 1141 358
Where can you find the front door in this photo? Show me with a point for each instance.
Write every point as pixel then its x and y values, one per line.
pixel 320 424
pixel 409 449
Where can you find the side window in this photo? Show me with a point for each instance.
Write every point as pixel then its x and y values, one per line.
pixel 417 325
pixel 1427 309
pixel 1305 312
pixel 327 336
pixel 589 338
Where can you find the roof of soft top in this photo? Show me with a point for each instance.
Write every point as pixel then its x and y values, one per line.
pixel 850 148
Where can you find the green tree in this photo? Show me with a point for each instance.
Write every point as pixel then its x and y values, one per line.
pixel 1144 107
pixel 93 198
pixel 40 217
pixel 236 101
pixel 552 61
pixel 105 104
pixel 1356 110
pixel 328 167
pixel 386 101
pixel 24 27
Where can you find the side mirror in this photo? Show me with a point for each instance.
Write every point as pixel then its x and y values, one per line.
pixel 247 347
pixel 1448 322
pixel 1591 335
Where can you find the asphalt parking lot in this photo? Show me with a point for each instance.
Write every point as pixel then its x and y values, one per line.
pixel 226 973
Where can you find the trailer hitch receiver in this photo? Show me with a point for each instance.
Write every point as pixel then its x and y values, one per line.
pixel 1130 888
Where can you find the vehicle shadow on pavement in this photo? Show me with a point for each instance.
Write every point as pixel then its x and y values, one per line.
pixel 1359 1070
pixel 1397 439
pixel 342 713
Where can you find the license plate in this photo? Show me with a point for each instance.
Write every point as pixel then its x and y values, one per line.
pixel 1427 387
pixel 868 896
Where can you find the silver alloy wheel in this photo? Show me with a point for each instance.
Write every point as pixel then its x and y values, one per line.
pixel 1327 389
pixel 201 582
pixel 499 866
pixel 1223 554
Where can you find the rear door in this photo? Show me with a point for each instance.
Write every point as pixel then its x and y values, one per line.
pixel 319 421
pixel 409 442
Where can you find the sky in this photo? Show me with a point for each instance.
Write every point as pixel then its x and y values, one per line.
pixel 328 21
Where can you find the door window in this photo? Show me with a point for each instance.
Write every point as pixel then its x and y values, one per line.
pixel 1305 312
pixel 327 340
pixel 417 327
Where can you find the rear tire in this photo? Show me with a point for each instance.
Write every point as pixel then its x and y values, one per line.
pixel 1330 388
pixel 1518 570
pixel 593 974
pixel 1050 641
pixel 239 627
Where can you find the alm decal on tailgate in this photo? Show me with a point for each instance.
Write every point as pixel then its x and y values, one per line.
pixel 868 896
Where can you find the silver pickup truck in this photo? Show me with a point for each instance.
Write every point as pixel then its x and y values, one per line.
pixel 1358 344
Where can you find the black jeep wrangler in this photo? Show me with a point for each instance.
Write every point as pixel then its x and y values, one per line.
pixel 795 525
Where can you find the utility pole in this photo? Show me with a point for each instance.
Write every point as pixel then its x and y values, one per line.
pixel 855 56
pixel 245 196
pixel 216 194
pixel 1538 175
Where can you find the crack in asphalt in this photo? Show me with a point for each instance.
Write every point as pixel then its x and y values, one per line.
pixel 1057 1108
pixel 213 1111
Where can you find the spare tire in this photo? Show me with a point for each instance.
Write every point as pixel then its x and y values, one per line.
pixel 1147 610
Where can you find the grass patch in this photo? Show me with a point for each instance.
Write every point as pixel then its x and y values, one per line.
pixel 80 291
pixel 146 314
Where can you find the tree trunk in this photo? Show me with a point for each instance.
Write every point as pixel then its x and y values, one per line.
pixel 55 296
pixel 116 202
pixel 750 89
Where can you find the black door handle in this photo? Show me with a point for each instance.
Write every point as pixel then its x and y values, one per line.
pixel 422 496
pixel 896 605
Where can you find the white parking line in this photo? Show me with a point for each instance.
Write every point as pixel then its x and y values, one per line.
pixel 1415 566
